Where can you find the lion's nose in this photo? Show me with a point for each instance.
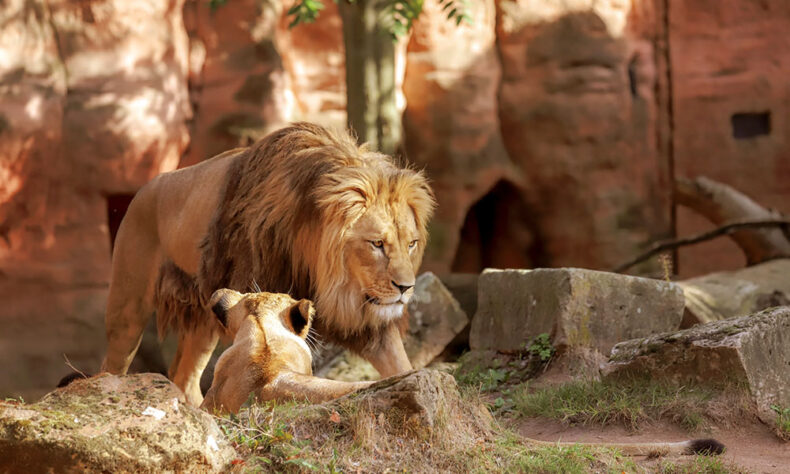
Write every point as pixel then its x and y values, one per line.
pixel 402 288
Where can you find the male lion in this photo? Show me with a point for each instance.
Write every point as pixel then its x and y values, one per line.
pixel 269 357
pixel 304 211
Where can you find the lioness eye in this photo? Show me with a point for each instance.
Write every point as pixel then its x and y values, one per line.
pixel 412 244
pixel 377 243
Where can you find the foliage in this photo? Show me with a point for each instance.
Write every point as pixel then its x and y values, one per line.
pixel 397 15
pixel 214 4
pixel 782 421
pixel 630 402
pixel 541 347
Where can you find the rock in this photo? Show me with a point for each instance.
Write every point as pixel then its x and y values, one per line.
pixel 348 367
pixel 451 124
pixel 728 127
pixel 577 307
pixel 726 295
pixel 314 60
pixel 463 287
pixel 237 82
pixel 435 319
pixel 750 351
pixel 94 104
pixel 112 424
pixel 579 118
pixel 428 399
pixel 125 112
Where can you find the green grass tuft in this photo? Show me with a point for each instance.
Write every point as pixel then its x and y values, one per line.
pixel 699 465
pixel 782 422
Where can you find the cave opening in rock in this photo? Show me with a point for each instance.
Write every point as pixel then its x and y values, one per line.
pixel 117 204
pixel 498 233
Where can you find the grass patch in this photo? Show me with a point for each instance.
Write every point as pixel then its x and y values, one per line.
pixel 293 437
pixel 630 402
pixel 699 465
pixel 782 421
pixel 508 453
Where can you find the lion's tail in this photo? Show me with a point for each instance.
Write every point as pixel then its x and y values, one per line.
pixel 705 447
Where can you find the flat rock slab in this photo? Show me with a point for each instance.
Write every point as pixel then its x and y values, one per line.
pixel 741 292
pixel 582 308
pixel 751 351
pixel 435 318
pixel 134 423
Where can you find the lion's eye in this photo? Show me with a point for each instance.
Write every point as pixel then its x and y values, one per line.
pixel 377 243
pixel 412 244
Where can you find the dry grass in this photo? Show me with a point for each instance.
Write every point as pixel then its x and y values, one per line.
pixel 348 438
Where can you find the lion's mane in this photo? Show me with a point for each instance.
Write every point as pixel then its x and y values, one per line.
pixel 286 207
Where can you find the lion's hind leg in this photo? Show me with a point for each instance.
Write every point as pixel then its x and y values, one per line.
pixel 130 303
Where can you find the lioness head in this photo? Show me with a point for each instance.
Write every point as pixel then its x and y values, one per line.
pixel 376 243
pixel 278 323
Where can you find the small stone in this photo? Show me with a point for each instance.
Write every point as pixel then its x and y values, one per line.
pixel 579 308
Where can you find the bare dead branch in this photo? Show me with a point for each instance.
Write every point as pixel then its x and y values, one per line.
pixel 727 229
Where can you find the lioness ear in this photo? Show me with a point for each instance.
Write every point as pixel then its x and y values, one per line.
pixel 301 316
pixel 221 301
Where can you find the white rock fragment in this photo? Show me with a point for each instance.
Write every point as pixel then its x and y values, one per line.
pixel 155 412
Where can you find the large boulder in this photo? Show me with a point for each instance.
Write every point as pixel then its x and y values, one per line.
pixel 94 104
pixel 237 82
pixel 137 423
pixel 580 118
pixel 451 124
pixel 750 351
pixel 579 308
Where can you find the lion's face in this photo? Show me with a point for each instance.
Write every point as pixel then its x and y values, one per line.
pixel 383 251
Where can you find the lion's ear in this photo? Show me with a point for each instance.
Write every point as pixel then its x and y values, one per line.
pixel 301 317
pixel 221 302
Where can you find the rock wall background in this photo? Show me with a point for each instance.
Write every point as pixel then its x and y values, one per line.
pixel 551 129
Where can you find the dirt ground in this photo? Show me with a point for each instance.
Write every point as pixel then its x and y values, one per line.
pixel 752 447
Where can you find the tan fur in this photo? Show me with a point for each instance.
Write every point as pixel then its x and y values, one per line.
pixel 298 212
pixel 267 359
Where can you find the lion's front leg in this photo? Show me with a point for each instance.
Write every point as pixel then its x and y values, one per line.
pixel 388 356
pixel 194 351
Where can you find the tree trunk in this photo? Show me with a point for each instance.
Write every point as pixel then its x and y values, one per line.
pixel 370 76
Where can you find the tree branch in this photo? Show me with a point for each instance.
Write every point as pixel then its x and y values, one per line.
pixel 727 229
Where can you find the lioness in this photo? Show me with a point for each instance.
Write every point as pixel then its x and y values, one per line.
pixel 269 357
pixel 304 211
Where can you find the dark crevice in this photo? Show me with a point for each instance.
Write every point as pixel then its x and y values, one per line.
pixel 498 232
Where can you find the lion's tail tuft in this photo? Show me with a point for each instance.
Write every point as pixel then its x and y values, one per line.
pixel 705 447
